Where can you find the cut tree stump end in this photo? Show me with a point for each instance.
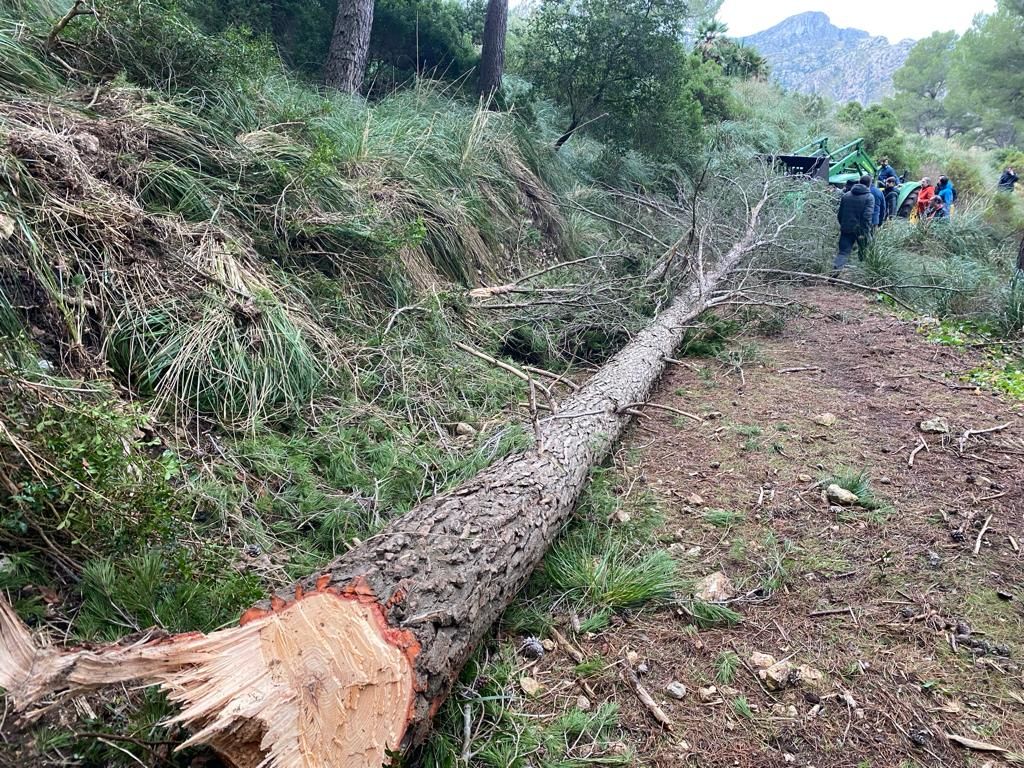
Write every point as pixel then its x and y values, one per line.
pixel 318 681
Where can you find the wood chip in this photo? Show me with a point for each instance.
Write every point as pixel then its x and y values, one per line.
pixel 645 698
pixel 975 744
pixel 984 528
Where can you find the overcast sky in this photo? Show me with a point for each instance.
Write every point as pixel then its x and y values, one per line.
pixel 895 19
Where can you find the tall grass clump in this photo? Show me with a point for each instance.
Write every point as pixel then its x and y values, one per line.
pixel 950 268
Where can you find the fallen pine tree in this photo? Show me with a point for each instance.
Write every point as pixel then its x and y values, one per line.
pixel 351 666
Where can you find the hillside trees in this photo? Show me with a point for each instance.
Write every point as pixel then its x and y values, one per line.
pixel 987 76
pixel 620 66
pixel 492 56
pixel 970 85
pixel 350 44
pixel 922 84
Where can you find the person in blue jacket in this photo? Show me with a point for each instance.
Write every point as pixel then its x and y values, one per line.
pixel 878 215
pixel 886 172
pixel 947 192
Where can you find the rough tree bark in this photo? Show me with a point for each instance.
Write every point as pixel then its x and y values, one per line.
pixel 355 664
pixel 346 57
pixel 492 56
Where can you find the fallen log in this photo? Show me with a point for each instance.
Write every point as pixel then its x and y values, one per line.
pixel 352 667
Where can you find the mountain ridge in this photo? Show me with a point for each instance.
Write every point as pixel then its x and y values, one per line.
pixel 807 53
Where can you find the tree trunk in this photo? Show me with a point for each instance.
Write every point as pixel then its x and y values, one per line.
pixel 492 57
pixel 346 58
pixel 568 134
pixel 356 663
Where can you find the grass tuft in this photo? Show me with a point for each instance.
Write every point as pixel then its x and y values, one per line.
pixel 725 667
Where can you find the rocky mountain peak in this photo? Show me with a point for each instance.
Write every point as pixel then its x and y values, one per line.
pixel 809 54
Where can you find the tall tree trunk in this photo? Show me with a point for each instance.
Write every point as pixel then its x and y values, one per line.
pixel 346 58
pixel 492 57
pixel 357 661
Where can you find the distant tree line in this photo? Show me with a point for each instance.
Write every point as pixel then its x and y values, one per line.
pixel 970 85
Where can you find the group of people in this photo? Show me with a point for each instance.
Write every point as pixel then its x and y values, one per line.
pixel 865 206
pixel 935 202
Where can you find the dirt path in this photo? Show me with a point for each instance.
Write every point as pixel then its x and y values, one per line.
pixel 893 587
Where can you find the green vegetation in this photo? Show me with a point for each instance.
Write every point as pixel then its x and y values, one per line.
pixel 723 518
pixel 725 667
pixel 965 86
pixel 229 302
pixel 503 734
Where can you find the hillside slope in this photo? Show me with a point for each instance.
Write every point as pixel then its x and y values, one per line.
pixel 809 54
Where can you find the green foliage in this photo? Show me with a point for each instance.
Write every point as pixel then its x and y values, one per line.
pixel 599 572
pixel 741 707
pixel 22 69
pixel 622 60
pixel 240 362
pixel 419 37
pixel 857 482
pixel 174 593
pixel 505 735
pixel 707 615
pixel 987 75
pixel 725 667
pixel 96 484
pixel 922 82
pixel 155 43
pixel 300 29
pixel 723 518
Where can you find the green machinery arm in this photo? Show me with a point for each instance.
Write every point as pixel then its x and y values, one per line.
pixel 849 162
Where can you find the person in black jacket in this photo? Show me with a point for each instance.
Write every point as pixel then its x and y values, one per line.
pixel 1007 180
pixel 892 197
pixel 856 210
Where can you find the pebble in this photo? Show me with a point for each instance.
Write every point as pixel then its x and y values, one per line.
pixel 530 686
pixel 583 703
pixel 839 495
pixel 676 690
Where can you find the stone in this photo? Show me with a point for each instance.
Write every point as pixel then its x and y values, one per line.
pixel 728 690
pixel 785 674
pixel 708 694
pixel 583 703
pixel 839 495
pixel 783 710
pixel 530 686
pixel 6 227
pixel 803 477
pixel 676 690
pixel 548 644
pixel 532 648
pixel 826 419
pixel 714 588
pixel 695 499
pixel 622 516
pixel 694 552
pixel 464 429
pixel 936 426
pixel 86 142
pixel 760 660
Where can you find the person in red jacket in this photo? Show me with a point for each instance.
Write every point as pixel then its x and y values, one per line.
pixel 924 197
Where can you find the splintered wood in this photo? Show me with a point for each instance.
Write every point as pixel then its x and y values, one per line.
pixel 314 683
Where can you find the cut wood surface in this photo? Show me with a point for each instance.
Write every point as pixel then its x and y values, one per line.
pixel 357 661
